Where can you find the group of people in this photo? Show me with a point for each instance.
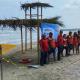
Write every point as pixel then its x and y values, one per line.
pixel 48 45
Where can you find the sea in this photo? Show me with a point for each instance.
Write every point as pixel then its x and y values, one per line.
pixel 10 36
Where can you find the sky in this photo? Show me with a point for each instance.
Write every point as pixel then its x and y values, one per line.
pixel 69 10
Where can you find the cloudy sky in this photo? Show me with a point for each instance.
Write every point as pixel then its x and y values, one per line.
pixel 69 10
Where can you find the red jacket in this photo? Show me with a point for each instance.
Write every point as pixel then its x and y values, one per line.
pixel 60 40
pixel 70 40
pixel 44 45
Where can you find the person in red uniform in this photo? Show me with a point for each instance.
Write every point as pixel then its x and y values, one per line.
pixel 60 45
pixel 52 45
pixel 65 44
pixel 70 42
pixel 78 40
pixel 44 50
pixel 75 42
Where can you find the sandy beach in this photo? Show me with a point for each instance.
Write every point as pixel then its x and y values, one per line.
pixel 46 25
pixel 66 69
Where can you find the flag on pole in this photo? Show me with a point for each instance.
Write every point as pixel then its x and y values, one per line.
pixel 46 28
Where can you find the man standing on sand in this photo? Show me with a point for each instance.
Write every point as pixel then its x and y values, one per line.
pixel 44 50
pixel 70 42
pixel 52 45
pixel 75 42
pixel 60 45
pixel 78 40
pixel 65 44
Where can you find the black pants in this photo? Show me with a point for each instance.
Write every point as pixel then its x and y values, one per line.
pixel 70 47
pixel 60 52
pixel 43 58
pixel 66 48
pixel 52 51
pixel 78 47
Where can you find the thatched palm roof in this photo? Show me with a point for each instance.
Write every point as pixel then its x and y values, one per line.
pixel 26 6
pixel 33 5
pixel 13 23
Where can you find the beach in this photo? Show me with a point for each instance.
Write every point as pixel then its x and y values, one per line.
pixel 30 31
pixel 66 69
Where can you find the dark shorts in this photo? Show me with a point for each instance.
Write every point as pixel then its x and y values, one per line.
pixel 51 50
pixel 79 44
pixel 70 46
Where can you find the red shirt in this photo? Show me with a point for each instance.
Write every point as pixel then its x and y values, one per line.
pixel 52 42
pixel 75 41
pixel 78 39
pixel 44 45
pixel 65 42
pixel 60 40
pixel 56 44
pixel 70 40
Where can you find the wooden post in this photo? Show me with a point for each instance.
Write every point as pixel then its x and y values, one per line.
pixel 21 41
pixel 38 35
pixel 41 13
pixel 25 32
pixel 30 30
pixel 1 63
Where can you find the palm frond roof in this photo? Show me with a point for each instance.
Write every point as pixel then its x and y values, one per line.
pixel 33 5
pixel 14 23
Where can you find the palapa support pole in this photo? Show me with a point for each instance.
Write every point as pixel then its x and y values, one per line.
pixel 38 35
pixel 30 29
pixel 21 41
pixel 1 63
pixel 25 32
pixel 41 13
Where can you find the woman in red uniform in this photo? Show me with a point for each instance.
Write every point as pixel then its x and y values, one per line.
pixel 65 44
pixel 75 42
pixel 44 50
pixel 70 42
pixel 78 40
pixel 52 45
pixel 60 45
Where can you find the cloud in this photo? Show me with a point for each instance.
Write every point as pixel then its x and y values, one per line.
pixel 73 4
